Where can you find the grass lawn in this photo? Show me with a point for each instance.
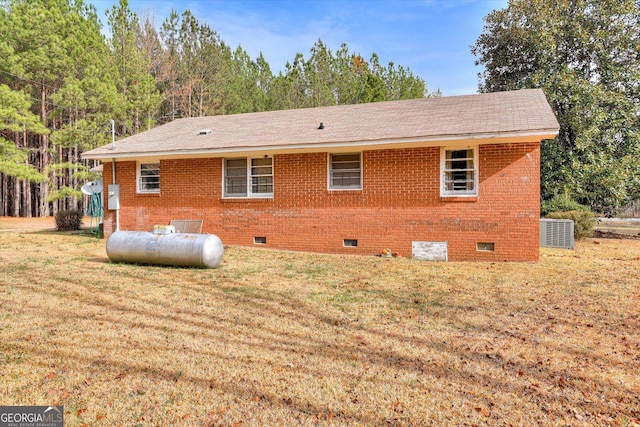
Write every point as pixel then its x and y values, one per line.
pixel 284 338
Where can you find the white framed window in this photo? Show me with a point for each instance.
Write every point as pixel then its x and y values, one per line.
pixel 148 177
pixel 248 177
pixel 459 171
pixel 345 171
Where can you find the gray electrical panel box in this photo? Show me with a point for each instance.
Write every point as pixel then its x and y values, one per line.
pixel 113 194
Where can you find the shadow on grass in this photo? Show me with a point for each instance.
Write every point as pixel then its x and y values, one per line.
pixel 237 315
pixel 56 232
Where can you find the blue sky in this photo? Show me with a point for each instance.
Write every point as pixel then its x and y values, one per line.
pixel 431 37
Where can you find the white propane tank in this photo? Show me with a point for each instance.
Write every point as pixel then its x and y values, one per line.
pixel 177 249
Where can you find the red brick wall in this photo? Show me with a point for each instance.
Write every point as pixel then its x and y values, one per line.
pixel 400 202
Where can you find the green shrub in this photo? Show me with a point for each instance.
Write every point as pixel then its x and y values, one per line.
pixel 562 203
pixel 583 222
pixel 69 219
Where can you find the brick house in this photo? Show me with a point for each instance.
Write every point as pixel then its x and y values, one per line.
pixel 454 178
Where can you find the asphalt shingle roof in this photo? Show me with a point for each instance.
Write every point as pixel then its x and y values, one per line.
pixel 466 117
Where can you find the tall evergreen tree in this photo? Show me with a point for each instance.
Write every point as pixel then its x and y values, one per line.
pixel 350 72
pixel 343 78
pixel 85 102
pixel 133 65
pixel 250 81
pixel 169 81
pixel 204 67
pixel 16 119
pixel 319 72
pixel 585 55
pixel 16 123
pixel 54 58
pixel 39 61
pixel 53 55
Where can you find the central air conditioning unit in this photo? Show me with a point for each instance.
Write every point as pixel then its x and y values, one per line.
pixel 556 233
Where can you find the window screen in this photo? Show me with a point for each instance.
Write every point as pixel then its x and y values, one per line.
pixel 345 171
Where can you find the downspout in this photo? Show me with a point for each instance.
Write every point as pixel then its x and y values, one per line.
pixel 113 180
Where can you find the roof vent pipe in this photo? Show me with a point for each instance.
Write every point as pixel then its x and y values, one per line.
pixel 113 134
pixel 321 126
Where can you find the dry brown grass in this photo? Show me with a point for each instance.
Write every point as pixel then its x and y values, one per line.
pixel 284 338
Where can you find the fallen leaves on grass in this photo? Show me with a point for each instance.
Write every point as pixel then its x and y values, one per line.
pixel 284 338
